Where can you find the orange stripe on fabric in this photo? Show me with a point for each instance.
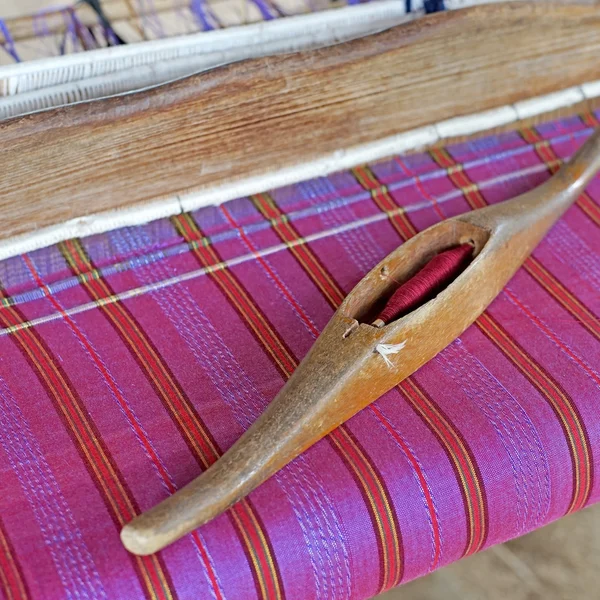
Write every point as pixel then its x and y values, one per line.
pixel 266 266
pixel 256 545
pixel 153 366
pixel 459 178
pixel 419 185
pixel 259 326
pixel 12 581
pixel 560 403
pixel 545 151
pixel 538 377
pixel 551 335
pixel 476 521
pixel 148 448
pixel 563 296
pixel 385 202
pixel 303 254
pixel 108 481
pixel 461 459
pixel 422 483
pixel 377 496
pixel 375 493
pixel 191 229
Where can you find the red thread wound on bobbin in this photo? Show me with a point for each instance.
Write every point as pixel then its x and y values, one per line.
pixel 439 272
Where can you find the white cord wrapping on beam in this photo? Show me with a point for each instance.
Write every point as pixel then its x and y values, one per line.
pixel 388 349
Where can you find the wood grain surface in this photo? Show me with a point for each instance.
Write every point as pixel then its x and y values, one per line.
pixel 262 115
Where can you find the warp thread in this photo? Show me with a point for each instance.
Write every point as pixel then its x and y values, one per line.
pixel 441 270
pixel 9 43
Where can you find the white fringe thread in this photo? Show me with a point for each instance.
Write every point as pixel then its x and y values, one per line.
pixel 387 350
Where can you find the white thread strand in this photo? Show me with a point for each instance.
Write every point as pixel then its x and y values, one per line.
pixel 387 350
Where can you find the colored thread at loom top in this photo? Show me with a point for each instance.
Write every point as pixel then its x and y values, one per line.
pixel 8 44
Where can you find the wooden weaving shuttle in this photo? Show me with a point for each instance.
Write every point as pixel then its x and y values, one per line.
pixel 345 371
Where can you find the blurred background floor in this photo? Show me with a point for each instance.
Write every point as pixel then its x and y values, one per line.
pixel 559 562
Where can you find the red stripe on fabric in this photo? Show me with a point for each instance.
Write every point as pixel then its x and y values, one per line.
pixel 371 489
pixel 280 342
pixel 12 580
pixel 422 483
pixel 245 528
pixel 252 526
pixel 256 322
pixel 148 448
pixel 390 552
pixel 163 385
pixel 419 185
pixel 540 379
pixel 65 393
pixel 155 369
pixel 358 462
pixel 309 261
pixel 573 305
pixel 152 366
pixel 552 161
pixel 166 385
pixel 590 119
pixel 473 490
pixel 565 411
pixel 385 202
pixel 265 265
pixel 459 178
pixel 88 443
pixel 269 552
pixel 480 525
pixel 564 405
pixel 553 337
pixel 212 576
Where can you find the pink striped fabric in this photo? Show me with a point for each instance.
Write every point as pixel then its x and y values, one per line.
pixel 127 366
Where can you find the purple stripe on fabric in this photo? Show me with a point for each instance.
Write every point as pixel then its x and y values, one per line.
pixel 62 536
pixel 569 250
pixel 108 381
pixel 305 492
pixel 266 12
pixel 114 566
pixel 425 504
pixel 514 428
pixel 557 329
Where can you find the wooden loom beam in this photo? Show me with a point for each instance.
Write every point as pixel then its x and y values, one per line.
pixel 242 120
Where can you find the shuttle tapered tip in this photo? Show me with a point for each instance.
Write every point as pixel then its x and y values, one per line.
pixel 139 541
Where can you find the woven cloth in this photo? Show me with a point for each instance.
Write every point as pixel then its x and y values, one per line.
pixel 131 360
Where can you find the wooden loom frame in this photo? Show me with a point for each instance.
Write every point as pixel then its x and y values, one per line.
pixel 253 125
